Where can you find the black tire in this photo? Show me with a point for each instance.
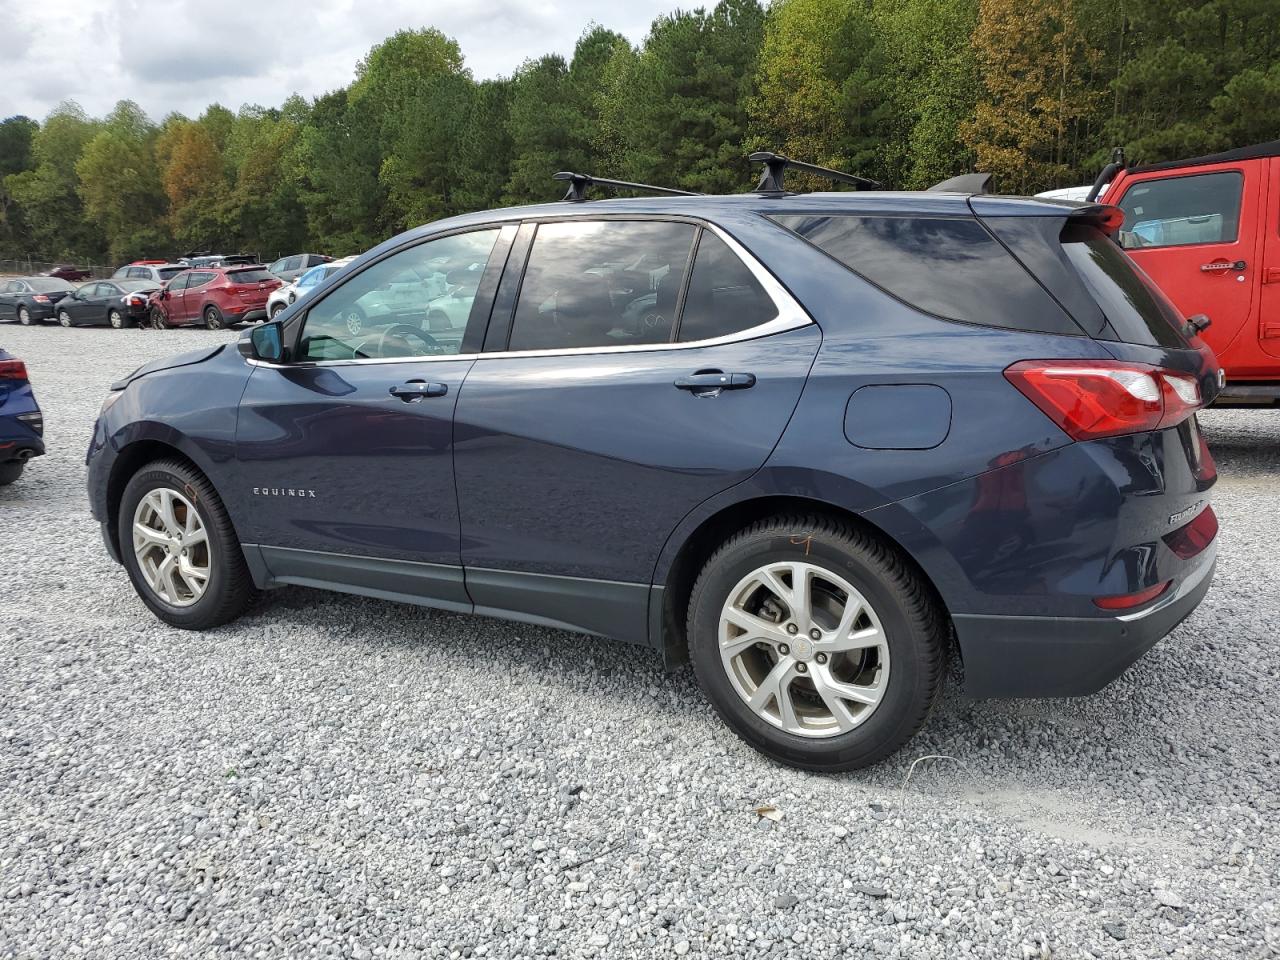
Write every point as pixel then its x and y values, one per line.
pixel 157 319
pixel 24 316
pixel 117 319
pixel 276 310
pixel 230 589
pixel 64 318
pixel 11 471
pixel 213 318
pixel 913 626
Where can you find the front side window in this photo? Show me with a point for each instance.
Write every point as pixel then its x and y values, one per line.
pixel 311 278
pixel 1178 211
pixel 414 303
pixel 601 283
pixel 178 283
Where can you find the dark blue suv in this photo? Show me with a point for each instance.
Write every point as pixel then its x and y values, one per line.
pixel 809 442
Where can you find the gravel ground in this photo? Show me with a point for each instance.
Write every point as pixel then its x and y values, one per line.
pixel 341 777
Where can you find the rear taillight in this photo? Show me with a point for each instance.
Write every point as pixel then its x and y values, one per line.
pixel 1189 540
pixel 1089 399
pixel 39 298
pixel 1128 601
pixel 13 370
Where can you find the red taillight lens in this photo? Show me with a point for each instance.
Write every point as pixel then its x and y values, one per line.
pixel 13 370
pixel 39 298
pixel 1189 540
pixel 1128 601
pixel 1089 399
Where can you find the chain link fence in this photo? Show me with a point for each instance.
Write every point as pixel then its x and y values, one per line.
pixel 31 268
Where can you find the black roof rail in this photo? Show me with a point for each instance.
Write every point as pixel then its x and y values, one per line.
pixel 1106 174
pixel 775 164
pixel 579 182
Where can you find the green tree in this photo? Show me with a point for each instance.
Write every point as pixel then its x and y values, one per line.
pixel 16 137
pixel 119 183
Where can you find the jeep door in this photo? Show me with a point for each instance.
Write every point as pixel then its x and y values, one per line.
pixel 345 453
pixel 1194 231
pixel 635 369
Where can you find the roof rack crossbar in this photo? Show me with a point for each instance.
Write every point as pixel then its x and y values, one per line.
pixel 579 182
pixel 775 164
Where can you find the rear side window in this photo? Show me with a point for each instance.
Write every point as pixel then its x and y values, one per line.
pixel 601 283
pixel 1179 211
pixel 724 297
pixel 1138 311
pixel 949 267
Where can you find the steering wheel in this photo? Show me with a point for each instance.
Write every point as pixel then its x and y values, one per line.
pixel 402 330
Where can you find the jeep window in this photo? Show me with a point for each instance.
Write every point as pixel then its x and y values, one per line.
pixel 724 297
pixel 1178 211
pixel 415 303
pixel 950 267
pixel 601 283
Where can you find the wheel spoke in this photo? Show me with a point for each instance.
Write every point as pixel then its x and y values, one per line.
pixel 829 686
pixel 195 538
pixel 801 597
pixel 756 628
pixel 167 515
pixel 149 536
pixel 858 640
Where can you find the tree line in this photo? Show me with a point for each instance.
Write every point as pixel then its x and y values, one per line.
pixel 907 92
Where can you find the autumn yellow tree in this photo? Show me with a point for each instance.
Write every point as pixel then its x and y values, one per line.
pixel 195 185
pixel 1033 62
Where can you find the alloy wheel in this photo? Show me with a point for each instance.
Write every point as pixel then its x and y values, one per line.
pixel 24 316
pixel 804 649
pixel 115 318
pixel 212 319
pixel 64 318
pixel 171 546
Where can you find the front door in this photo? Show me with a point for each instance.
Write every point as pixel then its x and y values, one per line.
pixel 345 453
pixel 609 413
pixel 91 302
pixel 1195 233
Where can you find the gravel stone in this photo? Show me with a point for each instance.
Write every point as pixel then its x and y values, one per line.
pixel 339 777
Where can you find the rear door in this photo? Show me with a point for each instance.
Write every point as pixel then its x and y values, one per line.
pixel 603 411
pixel 346 453
pixel 1195 233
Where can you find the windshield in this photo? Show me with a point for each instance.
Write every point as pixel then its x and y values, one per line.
pixel 1139 312
pixel 49 284
pixel 136 284
pixel 256 275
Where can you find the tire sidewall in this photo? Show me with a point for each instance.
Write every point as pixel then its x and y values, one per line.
pixel 895 717
pixel 152 478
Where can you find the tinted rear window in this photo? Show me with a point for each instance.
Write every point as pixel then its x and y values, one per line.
pixel 1138 311
pixel 950 267
pixel 167 272
pixel 49 284
pixel 257 275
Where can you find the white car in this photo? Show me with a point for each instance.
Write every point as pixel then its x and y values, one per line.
pixel 1072 193
pixel 281 297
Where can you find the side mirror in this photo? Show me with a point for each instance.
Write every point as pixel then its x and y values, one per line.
pixel 265 342
pixel 164 294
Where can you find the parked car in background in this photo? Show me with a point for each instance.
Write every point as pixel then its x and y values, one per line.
pixel 156 271
pixel 216 297
pixel 803 441
pixel 68 272
pixel 21 422
pixel 29 299
pixel 1207 230
pixel 116 303
pixel 281 297
pixel 292 267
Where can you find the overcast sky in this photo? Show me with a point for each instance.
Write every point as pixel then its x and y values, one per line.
pixel 181 55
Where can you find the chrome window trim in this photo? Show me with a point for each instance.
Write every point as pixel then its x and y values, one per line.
pixel 791 316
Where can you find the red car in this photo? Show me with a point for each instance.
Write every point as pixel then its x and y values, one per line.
pixel 1207 231
pixel 67 271
pixel 215 296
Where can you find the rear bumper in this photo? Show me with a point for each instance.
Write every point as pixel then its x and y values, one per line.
pixel 246 316
pixel 1070 656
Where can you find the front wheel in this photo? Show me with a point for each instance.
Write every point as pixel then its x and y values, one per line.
pixel 180 549
pixel 277 309
pixel 64 318
pixel 816 643
pixel 157 319
pixel 213 318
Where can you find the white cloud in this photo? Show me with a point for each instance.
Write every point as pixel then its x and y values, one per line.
pixel 181 55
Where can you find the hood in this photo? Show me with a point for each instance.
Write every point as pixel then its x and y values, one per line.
pixel 169 363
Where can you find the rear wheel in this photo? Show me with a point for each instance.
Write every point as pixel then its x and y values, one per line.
pixel 157 319
pixel 213 318
pixel 816 643
pixel 9 472
pixel 180 549
pixel 24 316
pixel 117 319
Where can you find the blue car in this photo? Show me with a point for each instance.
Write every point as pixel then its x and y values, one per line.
pixel 21 422
pixel 813 443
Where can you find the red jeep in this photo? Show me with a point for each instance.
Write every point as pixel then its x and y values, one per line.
pixel 1207 230
pixel 214 296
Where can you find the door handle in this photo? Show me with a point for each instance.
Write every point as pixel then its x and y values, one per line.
pixel 413 390
pixel 711 382
pixel 1223 265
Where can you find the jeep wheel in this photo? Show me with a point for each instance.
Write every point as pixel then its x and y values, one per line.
pixel 180 549
pixel 816 643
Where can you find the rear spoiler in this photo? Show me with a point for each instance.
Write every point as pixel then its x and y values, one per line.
pixel 965 183
pixel 1104 216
